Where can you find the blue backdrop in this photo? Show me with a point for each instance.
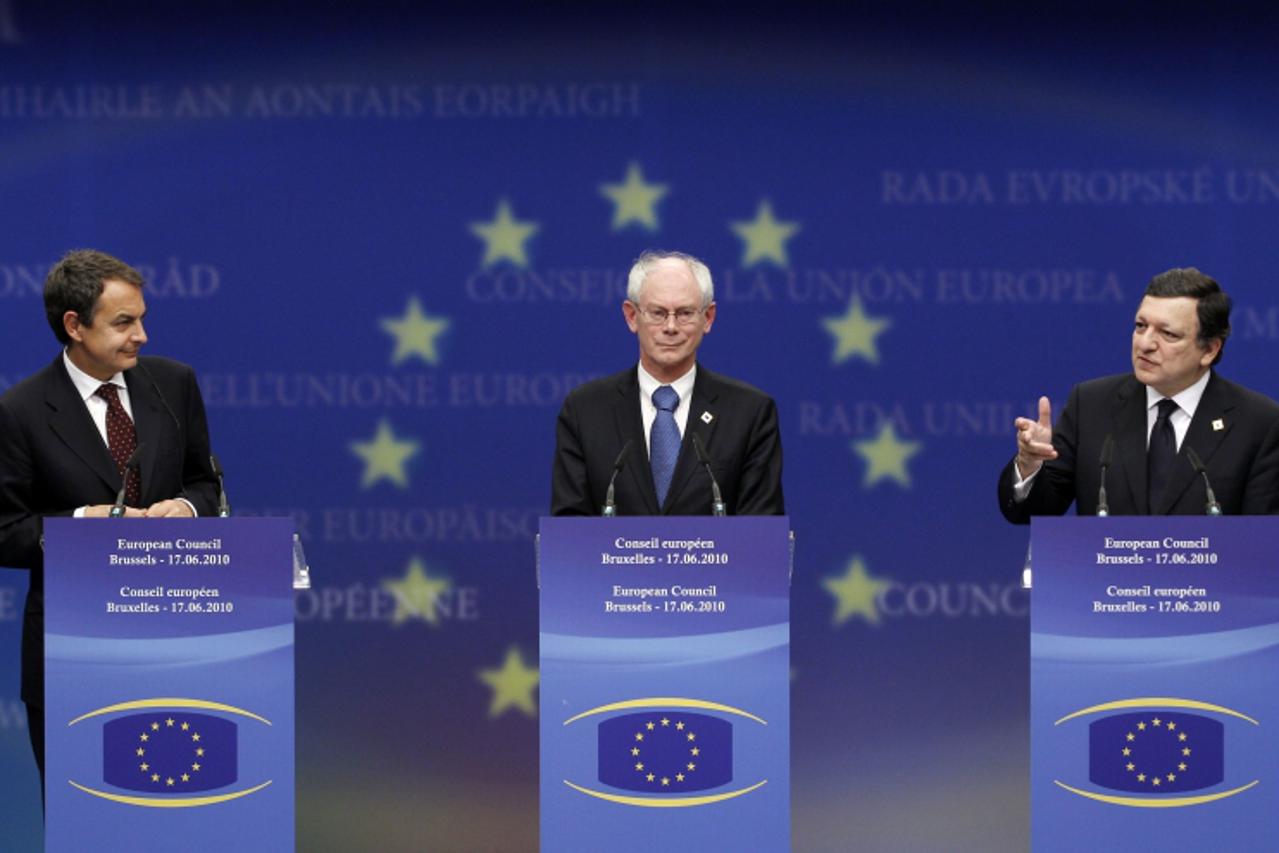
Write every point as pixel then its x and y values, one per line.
pixel 391 240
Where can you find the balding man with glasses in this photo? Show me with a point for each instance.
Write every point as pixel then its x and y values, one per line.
pixel 656 408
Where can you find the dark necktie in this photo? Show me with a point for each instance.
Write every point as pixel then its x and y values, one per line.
pixel 663 443
pixel 122 439
pixel 1162 454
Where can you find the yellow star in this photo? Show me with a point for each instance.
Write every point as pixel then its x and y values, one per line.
pixel 665 721
pixel 679 777
pixel 855 333
pixel 1141 727
pixel 504 237
pixel 1171 726
pixel 695 751
pixel 635 750
pixel 639 765
pixel 415 333
pixel 650 777
pixel 1141 777
pixel 666 780
pixel 155 777
pixel 680 725
pixel 169 722
pixel 1127 751
pixel 186 777
pixel 634 200
pixel 196 737
pixel 512 685
pixel 186 726
pixel 648 726
pixel 196 767
pixel 886 456
pixel 200 751
pixel 856 593
pixel 417 594
pixel 765 237
pixel 384 457
pixel 155 727
pixel 145 766
pixel 141 752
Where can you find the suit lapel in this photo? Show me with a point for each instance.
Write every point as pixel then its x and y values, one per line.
pixel 70 421
pixel 629 424
pixel 149 418
pixel 1213 406
pixel 1128 417
pixel 703 403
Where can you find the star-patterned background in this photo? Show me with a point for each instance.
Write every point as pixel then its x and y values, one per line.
pixel 391 240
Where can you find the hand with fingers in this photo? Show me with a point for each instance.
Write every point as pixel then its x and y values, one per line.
pixel 1035 440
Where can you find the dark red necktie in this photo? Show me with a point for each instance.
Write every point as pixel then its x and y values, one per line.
pixel 122 439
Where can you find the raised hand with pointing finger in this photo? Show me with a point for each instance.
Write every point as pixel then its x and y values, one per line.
pixel 1035 440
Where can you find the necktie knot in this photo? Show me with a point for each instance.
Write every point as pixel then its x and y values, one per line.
pixel 109 393
pixel 666 398
pixel 1166 407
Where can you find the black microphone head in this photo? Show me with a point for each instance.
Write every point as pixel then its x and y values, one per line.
pixel 700 450
pixel 135 457
pixel 1195 461
pixel 1107 450
pixel 217 466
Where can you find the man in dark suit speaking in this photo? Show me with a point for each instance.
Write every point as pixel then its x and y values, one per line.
pixel 656 408
pixel 1154 426
pixel 67 432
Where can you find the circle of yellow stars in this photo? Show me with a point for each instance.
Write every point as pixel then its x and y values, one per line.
pixel 1154 779
pixel 145 766
pixel 664 781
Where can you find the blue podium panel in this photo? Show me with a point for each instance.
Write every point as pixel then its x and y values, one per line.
pixel 1154 676
pixel 665 684
pixel 169 685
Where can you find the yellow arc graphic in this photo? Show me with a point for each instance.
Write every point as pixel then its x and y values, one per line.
pixel 673 803
pixel 666 702
pixel 1144 803
pixel 183 803
pixel 170 703
pixel 1160 701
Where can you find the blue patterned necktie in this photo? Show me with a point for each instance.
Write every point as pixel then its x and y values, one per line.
pixel 663 443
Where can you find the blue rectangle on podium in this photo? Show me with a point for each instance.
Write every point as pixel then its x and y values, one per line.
pixel 169 685
pixel 1154 677
pixel 665 684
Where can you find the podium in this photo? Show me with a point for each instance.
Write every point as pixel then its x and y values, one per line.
pixel 1154 708
pixel 665 684
pixel 169 685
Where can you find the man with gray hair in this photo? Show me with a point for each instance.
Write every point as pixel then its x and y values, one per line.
pixel 647 416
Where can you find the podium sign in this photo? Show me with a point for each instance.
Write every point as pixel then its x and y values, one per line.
pixel 665 684
pixel 169 685
pixel 1154 677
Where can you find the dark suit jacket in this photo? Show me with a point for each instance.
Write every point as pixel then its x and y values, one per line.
pixel 1235 432
pixel 736 423
pixel 53 460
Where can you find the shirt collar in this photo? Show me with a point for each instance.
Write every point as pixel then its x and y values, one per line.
pixel 1187 400
pixel 85 384
pixel 683 386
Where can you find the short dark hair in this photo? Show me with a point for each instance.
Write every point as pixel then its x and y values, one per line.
pixel 75 283
pixel 1213 305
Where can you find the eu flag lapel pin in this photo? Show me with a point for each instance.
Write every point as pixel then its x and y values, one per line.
pixel 1219 424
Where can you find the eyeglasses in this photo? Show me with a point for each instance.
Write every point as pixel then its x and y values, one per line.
pixel 659 316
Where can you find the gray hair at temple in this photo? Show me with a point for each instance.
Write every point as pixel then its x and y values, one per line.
pixel 644 265
pixel 1212 307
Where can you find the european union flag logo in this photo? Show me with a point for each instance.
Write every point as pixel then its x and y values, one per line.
pixel 665 752
pixel 167 752
pixel 1154 752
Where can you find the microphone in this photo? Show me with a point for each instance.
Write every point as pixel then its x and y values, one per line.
pixel 717 500
pixel 1107 448
pixel 1211 507
pixel 610 506
pixel 224 508
pixel 155 386
pixel 130 467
